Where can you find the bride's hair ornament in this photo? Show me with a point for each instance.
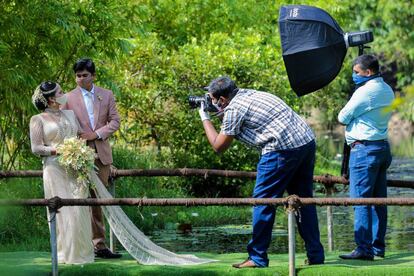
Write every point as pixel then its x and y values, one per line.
pixel 42 93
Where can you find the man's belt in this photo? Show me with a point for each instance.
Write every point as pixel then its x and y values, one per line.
pixel 367 142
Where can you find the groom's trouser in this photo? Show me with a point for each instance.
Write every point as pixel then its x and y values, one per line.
pixel 290 170
pixel 98 223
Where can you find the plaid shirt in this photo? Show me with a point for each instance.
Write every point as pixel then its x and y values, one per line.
pixel 264 121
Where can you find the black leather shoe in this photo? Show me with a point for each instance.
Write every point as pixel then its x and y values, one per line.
pixel 308 262
pixel 107 254
pixel 357 255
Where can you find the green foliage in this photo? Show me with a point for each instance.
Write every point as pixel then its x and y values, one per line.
pixel 404 148
pixel 42 41
pixel 405 105
pixel 392 23
pixel 23 226
pixel 326 162
pixel 178 22
pixel 153 54
pixel 170 125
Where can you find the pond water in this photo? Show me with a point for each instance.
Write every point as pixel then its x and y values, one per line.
pixel 234 238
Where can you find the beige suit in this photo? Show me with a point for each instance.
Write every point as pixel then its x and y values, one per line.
pixel 106 122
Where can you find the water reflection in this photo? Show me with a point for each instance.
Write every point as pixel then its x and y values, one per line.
pixel 234 238
pixel 221 239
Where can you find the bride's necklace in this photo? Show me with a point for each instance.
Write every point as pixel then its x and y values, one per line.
pixel 64 127
pixel 53 111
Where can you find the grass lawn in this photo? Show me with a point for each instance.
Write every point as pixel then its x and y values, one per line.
pixel 38 263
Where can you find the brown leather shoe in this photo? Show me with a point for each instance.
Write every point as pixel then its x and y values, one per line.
pixel 246 264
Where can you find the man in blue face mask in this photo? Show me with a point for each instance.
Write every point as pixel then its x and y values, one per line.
pixel 366 117
pixel 361 76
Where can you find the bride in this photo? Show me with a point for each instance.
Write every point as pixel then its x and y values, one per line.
pixel 74 233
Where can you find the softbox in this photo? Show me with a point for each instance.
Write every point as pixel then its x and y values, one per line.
pixel 313 47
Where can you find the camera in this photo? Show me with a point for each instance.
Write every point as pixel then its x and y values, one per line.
pixel 195 102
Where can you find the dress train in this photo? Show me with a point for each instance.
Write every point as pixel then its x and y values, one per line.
pixel 134 241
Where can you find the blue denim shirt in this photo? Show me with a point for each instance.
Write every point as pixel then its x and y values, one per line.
pixel 366 114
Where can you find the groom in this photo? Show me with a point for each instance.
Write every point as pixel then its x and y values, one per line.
pixel 95 109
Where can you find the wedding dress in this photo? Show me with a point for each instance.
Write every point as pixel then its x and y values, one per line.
pixel 74 232
pixel 73 223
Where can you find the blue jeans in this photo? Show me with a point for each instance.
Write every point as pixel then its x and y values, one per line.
pixel 368 164
pixel 290 170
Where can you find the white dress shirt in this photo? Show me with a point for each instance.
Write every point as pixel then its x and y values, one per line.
pixel 88 97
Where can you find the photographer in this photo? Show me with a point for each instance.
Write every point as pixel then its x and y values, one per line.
pixel 287 146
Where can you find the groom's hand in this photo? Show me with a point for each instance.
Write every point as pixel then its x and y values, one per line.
pixel 89 136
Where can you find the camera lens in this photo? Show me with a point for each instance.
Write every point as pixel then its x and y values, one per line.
pixel 195 101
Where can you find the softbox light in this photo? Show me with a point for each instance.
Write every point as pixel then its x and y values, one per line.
pixel 313 46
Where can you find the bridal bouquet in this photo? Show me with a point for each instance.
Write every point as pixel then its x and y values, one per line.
pixel 78 160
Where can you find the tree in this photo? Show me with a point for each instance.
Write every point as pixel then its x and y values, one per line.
pixel 41 42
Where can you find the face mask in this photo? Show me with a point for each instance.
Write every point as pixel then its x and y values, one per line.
pixel 217 105
pixel 362 79
pixel 62 100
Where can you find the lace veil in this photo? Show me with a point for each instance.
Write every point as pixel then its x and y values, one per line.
pixel 139 246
